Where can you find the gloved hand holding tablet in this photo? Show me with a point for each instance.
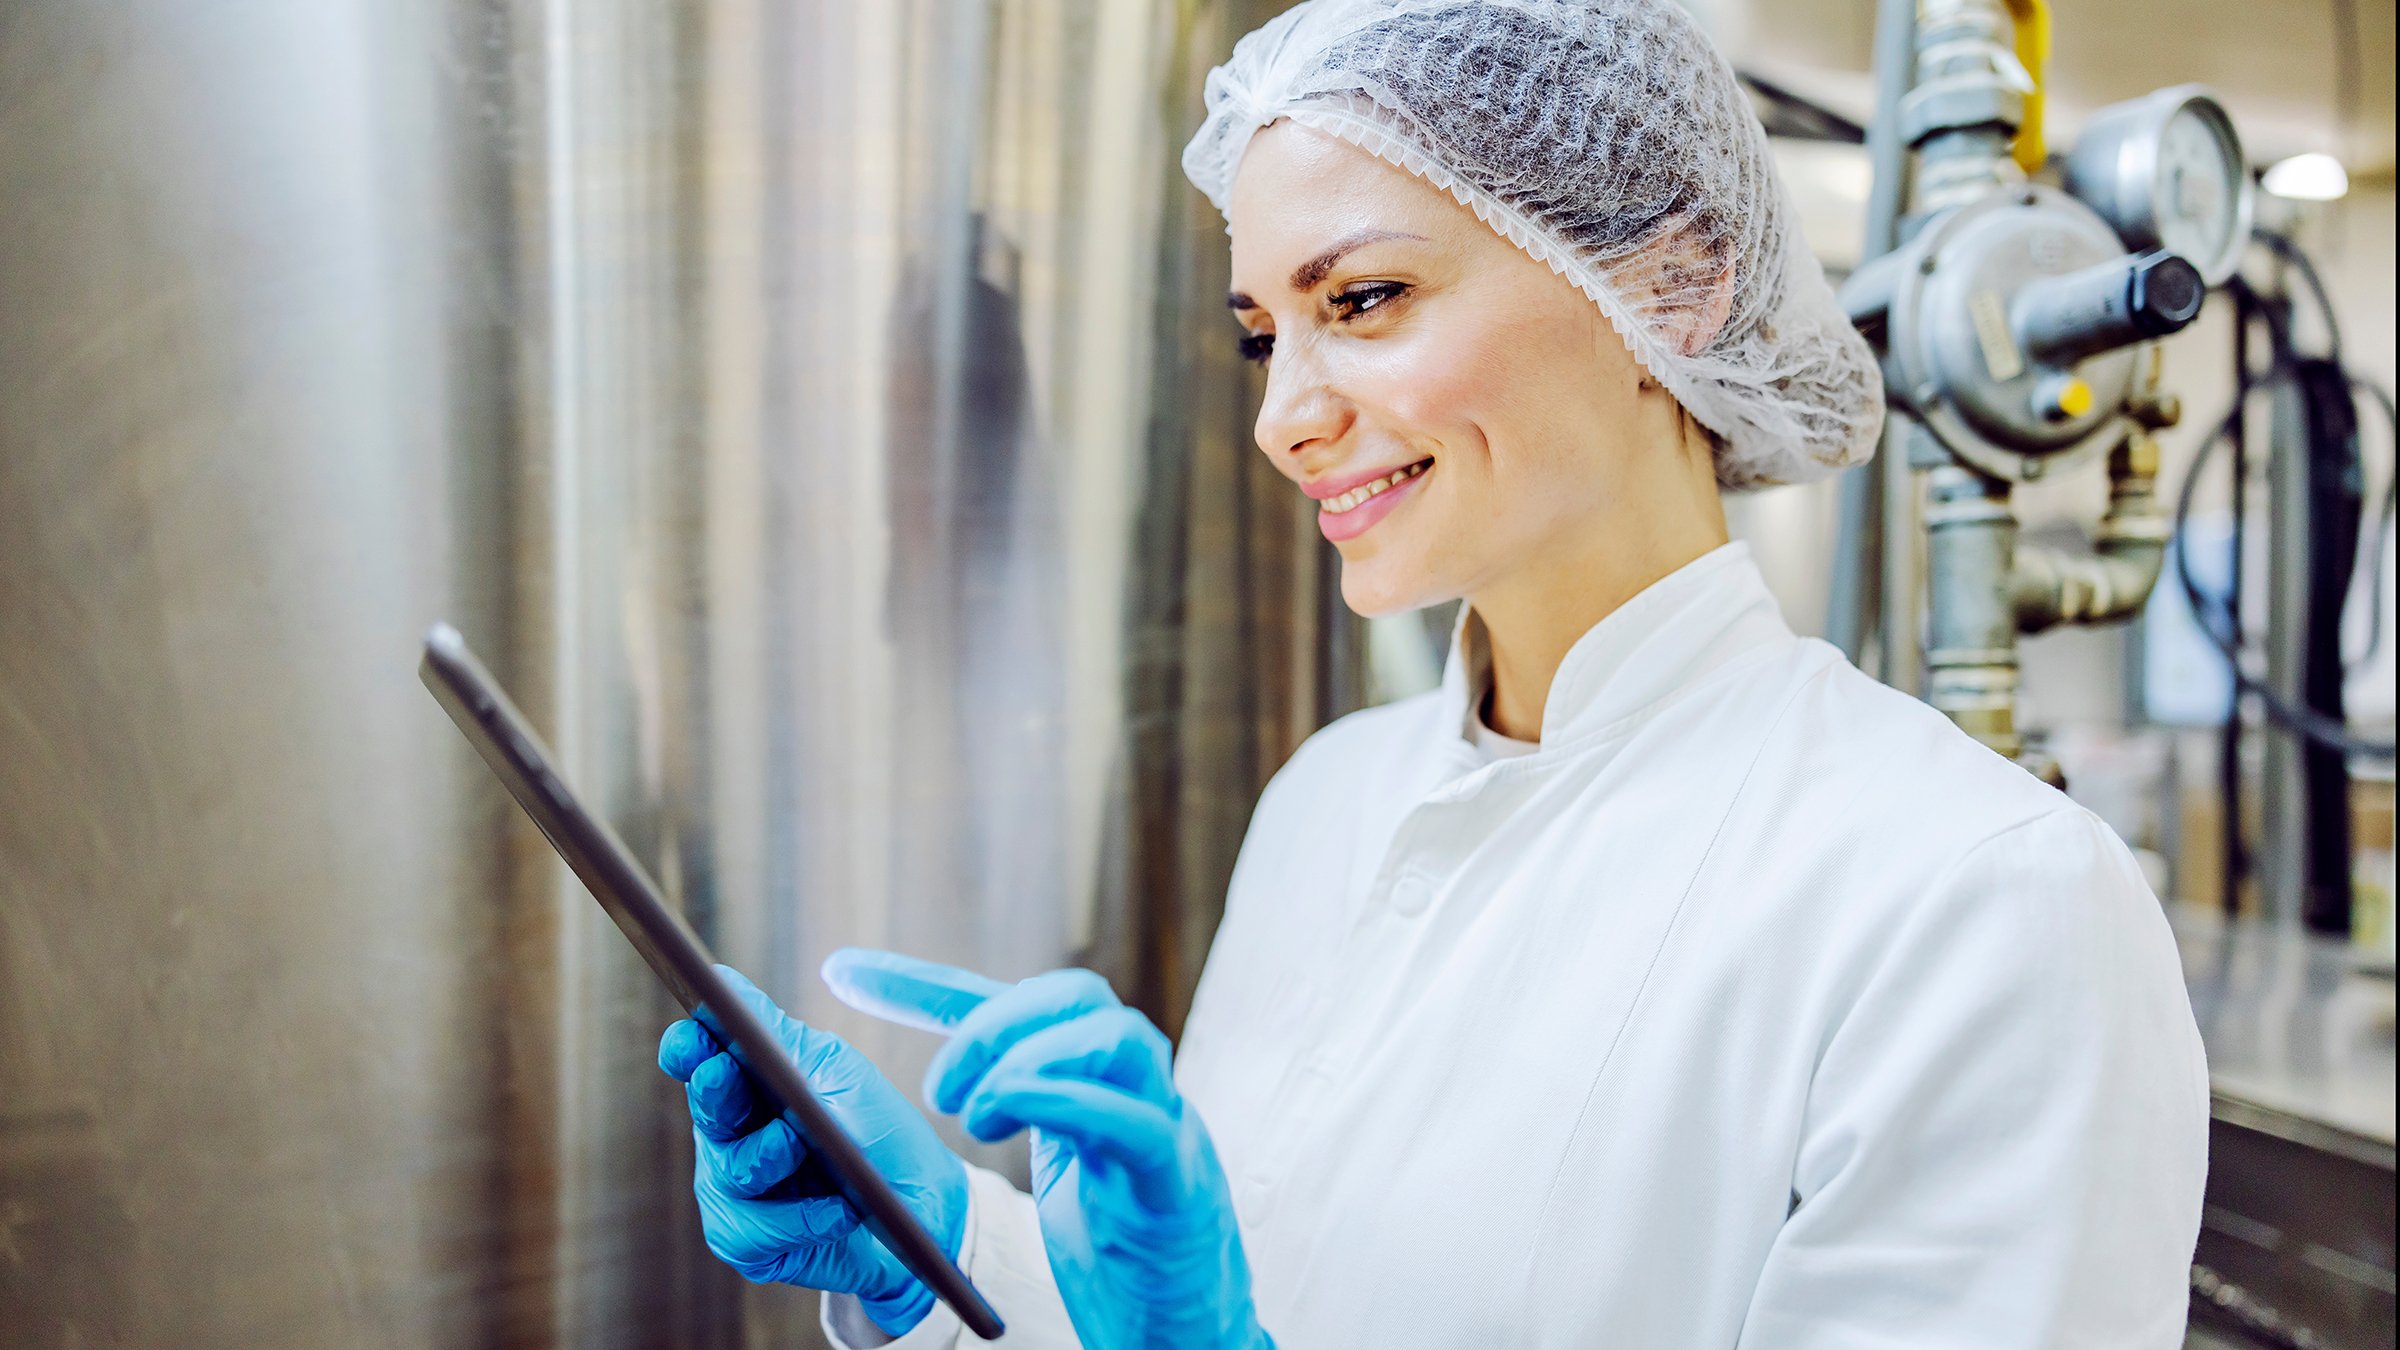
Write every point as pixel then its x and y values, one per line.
pixel 861 1229
pixel 757 1209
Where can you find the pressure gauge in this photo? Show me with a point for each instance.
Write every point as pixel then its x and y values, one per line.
pixel 2167 171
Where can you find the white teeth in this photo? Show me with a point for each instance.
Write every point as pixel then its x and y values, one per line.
pixel 1358 496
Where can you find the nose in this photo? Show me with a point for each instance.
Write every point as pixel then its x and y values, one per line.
pixel 1300 409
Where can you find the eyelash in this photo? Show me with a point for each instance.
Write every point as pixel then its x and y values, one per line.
pixel 1367 296
pixel 1374 295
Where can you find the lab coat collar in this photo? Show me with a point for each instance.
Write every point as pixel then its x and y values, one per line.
pixel 1680 628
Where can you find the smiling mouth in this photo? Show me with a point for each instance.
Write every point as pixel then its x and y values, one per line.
pixel 1367 492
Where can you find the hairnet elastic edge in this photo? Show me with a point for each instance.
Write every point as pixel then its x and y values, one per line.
pixel 1511 226
pixel 1734 448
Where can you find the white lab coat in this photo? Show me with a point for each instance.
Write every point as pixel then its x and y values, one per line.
pixel 1760 1008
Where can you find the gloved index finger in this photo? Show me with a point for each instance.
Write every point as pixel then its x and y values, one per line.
pixel 906 991
pixel 685 1046
pixel 720 1098
pixel 1007 1018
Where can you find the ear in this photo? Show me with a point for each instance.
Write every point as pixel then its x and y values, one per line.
pixel 1696 326
pixel 1683 275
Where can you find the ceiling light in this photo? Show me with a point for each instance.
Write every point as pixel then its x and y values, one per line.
pixel 2307 178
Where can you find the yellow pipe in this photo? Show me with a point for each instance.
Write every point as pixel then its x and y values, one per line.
pixel 2033 52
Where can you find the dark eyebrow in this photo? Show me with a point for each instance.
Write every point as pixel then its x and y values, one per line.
pixel 1306 276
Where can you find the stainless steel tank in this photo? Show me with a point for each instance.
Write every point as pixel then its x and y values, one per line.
pixel 821 414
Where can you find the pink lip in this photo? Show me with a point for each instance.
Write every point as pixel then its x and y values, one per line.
pixel 1359 519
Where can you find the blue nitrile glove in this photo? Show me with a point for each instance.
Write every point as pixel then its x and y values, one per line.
pixel 1134 1208
pixel 756 1218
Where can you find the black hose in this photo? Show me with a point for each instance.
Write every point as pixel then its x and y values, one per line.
pixel 2236 863
pixel 2221 624
pixel 2281 246
pixel 2382 538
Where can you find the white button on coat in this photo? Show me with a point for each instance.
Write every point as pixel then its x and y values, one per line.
pixel 1759 1008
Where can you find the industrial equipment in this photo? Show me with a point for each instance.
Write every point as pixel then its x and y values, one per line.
pixel 2018 321
pixel 771 419
pixel 2168 172
pixel 2019 303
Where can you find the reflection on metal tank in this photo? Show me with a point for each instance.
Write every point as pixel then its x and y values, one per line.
pixel 821 416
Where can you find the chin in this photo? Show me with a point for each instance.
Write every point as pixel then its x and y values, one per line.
pixel 1378 589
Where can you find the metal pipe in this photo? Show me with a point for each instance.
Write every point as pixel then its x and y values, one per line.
pixel 1968 102
pixel 1887 149
pixel 1959 115
pixel 2051 586
pixel 1853 599
pixel 1858 596
pixel 1971 630
pixel 1902 557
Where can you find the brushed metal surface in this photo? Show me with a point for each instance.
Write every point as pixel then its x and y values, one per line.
pixel 821 415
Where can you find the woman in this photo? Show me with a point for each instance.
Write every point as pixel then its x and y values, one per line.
pixel 1659 981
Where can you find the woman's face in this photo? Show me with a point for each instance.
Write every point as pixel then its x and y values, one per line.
pixel 1402 336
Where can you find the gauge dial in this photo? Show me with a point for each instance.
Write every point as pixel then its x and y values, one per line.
pixel 2168 172
pixel 2200 184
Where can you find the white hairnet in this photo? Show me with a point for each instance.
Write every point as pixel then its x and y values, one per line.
pixel 1608 139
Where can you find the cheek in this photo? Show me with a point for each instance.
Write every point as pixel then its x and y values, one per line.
pixel 1425 388
pixel 1515 397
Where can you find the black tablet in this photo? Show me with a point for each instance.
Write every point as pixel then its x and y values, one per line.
pixel 508 743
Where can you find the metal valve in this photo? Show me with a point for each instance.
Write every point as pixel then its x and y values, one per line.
pixel 2018 325
pixel 2062 320
pixel 2009 327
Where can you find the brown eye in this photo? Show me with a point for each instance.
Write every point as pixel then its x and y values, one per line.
pixel 1367 296
pixel 1256 347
